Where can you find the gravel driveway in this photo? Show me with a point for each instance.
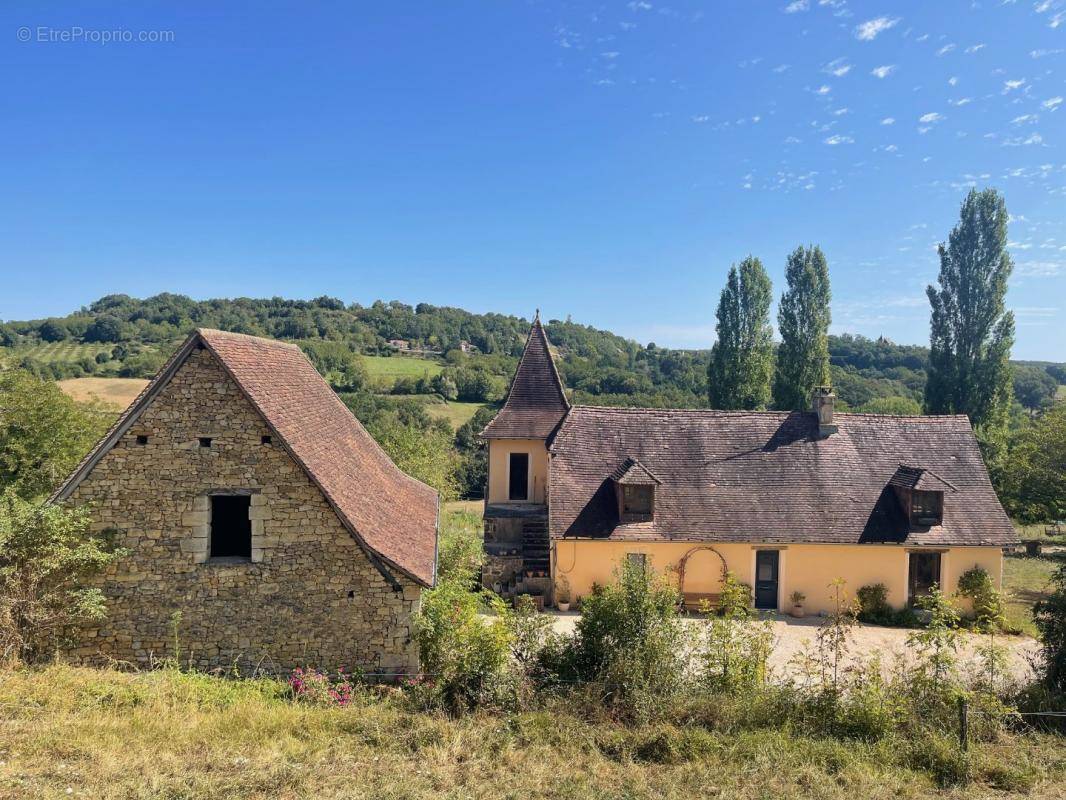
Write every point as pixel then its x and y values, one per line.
pixel 792 634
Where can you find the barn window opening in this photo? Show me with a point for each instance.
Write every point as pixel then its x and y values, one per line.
pixel 231 526
pixel 266 440
pixel 142 439
pixel 518 477
pixel 205 441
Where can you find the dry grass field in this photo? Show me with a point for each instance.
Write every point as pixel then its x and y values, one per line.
pixel 108 735
pixel 118 392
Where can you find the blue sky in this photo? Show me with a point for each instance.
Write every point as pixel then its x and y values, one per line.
pixel 603 160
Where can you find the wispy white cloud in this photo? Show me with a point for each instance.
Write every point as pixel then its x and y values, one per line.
pixel 796 6
pixel 869 30
pixel 1025 119
pixel 1052 104
pixel 888 121
pixel 838 67
pixel 1010 86
pixel 1045 53
pixel 883 71
pixel 1019 141
pixel 953 81
pixel 962 101
pixel 1040 269
pixel 838 139
pixel 933 116
pixel 781 68
pixel 840 112
pixel 823 89
pixel 943 51
pixel 973 48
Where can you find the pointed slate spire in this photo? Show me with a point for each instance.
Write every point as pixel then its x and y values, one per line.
pixel 536 403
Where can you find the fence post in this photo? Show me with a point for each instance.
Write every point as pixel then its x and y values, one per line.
pixel 964 724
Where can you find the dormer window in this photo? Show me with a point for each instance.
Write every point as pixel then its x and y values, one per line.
pixel 921 495
pixel 927 508
pixel 638 500
pixel 635 487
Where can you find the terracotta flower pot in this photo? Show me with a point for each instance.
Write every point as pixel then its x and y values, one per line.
pixel 798 612
pixel 563 606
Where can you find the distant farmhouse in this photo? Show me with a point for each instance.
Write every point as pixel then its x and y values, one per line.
pixel 264 526
pixel 787 501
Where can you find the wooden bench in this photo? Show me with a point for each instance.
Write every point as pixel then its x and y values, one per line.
pixel 692 601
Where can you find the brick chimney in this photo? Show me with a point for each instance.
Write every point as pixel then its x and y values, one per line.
pixel 822 404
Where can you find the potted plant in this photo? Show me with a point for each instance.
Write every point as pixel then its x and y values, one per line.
pixel 797 599
pixel 562 594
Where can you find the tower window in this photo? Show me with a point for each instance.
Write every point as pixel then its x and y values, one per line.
pixel 518 476
pixel 205 441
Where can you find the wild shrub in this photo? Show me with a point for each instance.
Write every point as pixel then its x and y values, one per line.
pixel 735 598
pixel 309 685
pixel 834 637
pixel 531 636
pixel 976 585
pixel 47 557
pixel 873 604
pixel 735 648
pixel 936 645
pixel 1050 617
pixel 629 640
pixel 465 656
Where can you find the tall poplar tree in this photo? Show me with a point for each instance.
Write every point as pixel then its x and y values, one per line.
pixel 742 359
pixel 971 330
pixel 803 322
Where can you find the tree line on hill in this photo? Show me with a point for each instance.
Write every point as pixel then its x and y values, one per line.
pixel 479 352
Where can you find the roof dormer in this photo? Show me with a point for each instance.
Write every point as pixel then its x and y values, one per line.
pixel 635 488
pixel 921 494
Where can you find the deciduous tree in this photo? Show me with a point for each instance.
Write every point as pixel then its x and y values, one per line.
pixel 742 359
pixel 971 330
pixel 803 322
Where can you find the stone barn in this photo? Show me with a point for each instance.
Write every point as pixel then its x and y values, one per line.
pixel 265 527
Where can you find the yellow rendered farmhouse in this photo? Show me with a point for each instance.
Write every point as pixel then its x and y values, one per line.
pixel 787 501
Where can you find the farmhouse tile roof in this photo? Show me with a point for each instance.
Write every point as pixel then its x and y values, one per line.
pixel 769 477
pixel 922 480
pixel 536 402
pixel 634 473
pixel 390 513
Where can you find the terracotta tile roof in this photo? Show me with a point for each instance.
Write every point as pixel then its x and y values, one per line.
pixel 393 515
pixel 536 403
pixel 768 477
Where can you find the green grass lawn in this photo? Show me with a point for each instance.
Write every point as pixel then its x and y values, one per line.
pixel 456 414
pixel 54 352
pixel 1025 580
pixel 392 367
pixel 110 735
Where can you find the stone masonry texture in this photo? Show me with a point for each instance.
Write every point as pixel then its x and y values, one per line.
pixel 309 595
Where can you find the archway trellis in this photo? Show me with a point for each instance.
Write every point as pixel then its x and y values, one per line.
pixel 683 563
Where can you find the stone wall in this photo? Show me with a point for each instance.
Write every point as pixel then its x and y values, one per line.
pixel 308 596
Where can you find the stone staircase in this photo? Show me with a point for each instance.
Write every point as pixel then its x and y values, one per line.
pixel 535 558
